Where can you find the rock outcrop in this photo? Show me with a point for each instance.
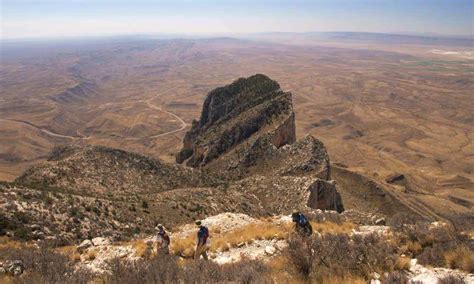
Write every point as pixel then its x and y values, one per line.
pixel 12 267
pixel 235 113
pixel 397 178
pixel 323 195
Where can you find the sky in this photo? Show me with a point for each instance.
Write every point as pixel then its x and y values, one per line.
pixel 65 18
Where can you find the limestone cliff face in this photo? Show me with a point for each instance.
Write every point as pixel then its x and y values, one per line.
pixel 235 113
pixel 323 195
pixel 285 133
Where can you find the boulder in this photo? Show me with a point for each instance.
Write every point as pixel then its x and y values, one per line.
pixel 323 195
pixel 270 250
pixel 2 269
pixel 434 275
pixel 84 245
pixel 14 268
pixel 17 268
pixel 99 241
pixel 380 222
pixel 397 178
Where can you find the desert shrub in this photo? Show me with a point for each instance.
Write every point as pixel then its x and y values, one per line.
pixel 96 210
pixel 432 256
pixel 45 266
pixel 399 221
pixel 396 277
pixel 22 233
pixel 6 223
pixel 373 253
pixel 245 271
pixel 463 221
pixel 302 256
pixel 460 258
pixel 338 255
pixel 22 217
pixel 166 269
pixel 402 263
pixel 451 279
pixel 439 246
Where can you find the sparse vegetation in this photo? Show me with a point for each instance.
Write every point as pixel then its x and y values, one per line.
pixel 336 255
pixel 168 269
pixel 249 233
pixel 460 258
pixel 45 266
pixel 22 234
pixel 91 255
pixel 439 245
pixel 332 227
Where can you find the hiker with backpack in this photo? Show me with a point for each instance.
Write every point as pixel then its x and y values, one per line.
pixel 163 240
pixel 302 224
pixel 202 241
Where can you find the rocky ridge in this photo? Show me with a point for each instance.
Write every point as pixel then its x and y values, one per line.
pixel 261 170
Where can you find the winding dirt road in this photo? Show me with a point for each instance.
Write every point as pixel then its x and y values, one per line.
pixel 159 108
pixel 147 101
pixel 45 130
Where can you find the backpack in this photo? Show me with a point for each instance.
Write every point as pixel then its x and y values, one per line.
pixel 203 234
pixel 303 220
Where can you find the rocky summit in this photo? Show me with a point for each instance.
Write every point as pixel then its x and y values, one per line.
pixel 234 113
pixel 247 134
pixel 241 156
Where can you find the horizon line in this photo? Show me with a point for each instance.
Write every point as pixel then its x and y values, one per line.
pixel 180 35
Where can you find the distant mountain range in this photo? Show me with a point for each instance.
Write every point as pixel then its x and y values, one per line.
pixel 387 38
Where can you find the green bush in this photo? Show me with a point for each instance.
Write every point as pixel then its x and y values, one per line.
pixel 22 234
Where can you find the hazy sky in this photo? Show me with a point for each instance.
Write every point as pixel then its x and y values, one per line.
pixel 38 18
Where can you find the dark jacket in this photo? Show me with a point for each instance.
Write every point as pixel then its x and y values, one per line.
pixel 202 235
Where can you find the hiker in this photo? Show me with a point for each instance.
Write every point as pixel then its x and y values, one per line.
pixel 163 240
pixel 202 241
pixel 302 225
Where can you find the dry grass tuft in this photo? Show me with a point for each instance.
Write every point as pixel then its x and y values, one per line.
pixel 460 258
pixel 280 268
pixel 402 263
pixel 70 251
pixel 412 248
pixel 333 228
pixel 250 233
pixel 91 255
pixel 353 279
pixel 141 248
pixel 8 243
pixel 184 247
